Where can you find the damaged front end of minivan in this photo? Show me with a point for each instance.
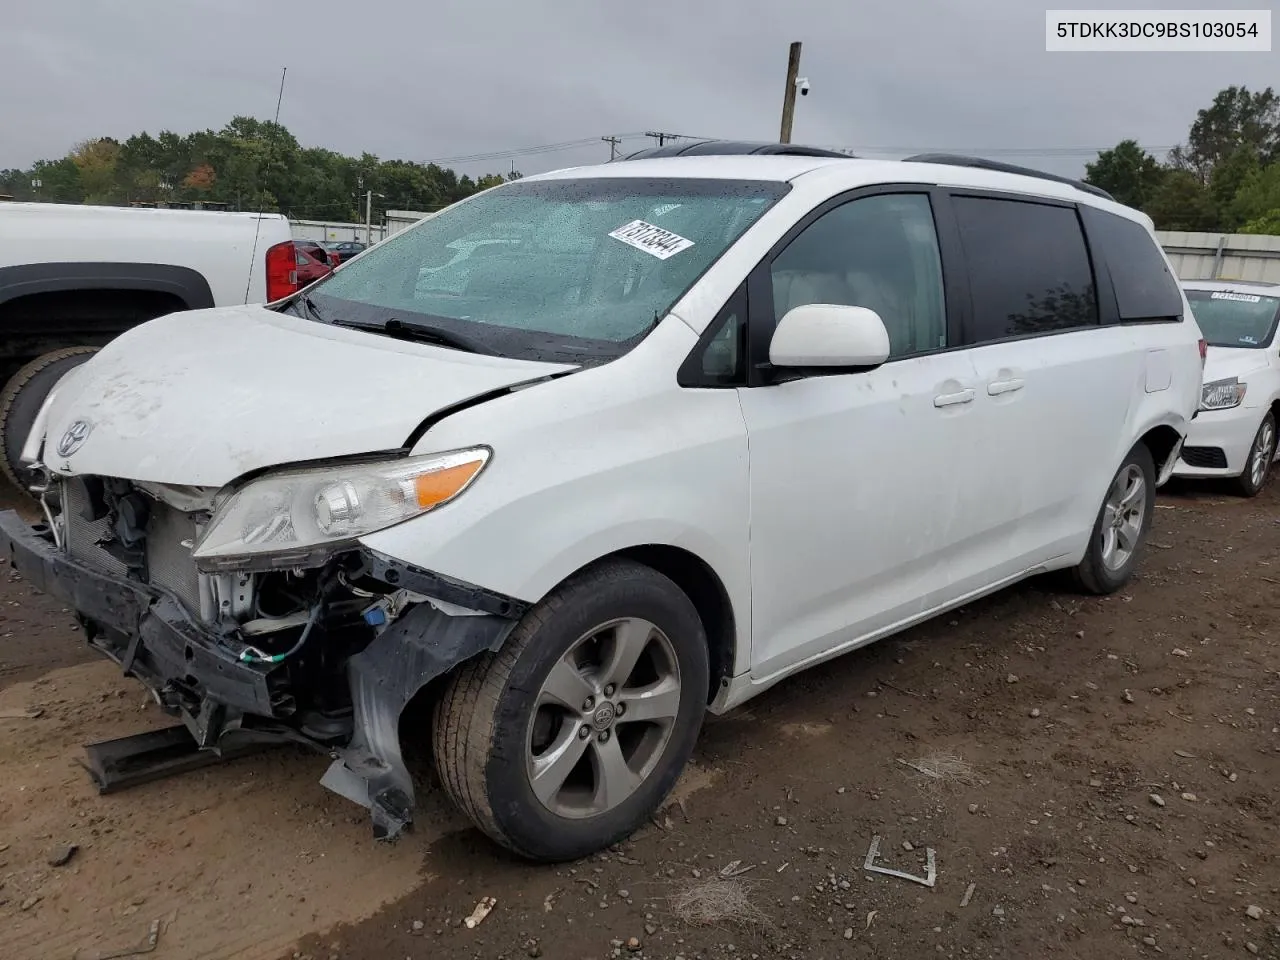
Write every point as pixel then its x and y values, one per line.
pixel 253 613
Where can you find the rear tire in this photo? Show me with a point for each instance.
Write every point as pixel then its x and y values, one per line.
pixel 1261 454
pixel 553 746
pixel 20 403
pixel 1121 527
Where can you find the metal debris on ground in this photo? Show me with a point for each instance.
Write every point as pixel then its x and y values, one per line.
pixel 147 946
pixel 482 910
pixel 968 894
pixel 931 865
pixel 734 868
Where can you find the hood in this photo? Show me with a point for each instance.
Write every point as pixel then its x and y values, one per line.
pixel 201 397
pixel 1223 362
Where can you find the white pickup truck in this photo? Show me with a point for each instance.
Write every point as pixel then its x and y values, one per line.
pixel 74 277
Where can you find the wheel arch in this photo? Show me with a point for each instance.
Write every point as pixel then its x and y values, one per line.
pixel 703 586
pixel 1162 440
pixel 28 279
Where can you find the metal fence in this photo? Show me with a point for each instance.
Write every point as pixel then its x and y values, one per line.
pixel 1222 256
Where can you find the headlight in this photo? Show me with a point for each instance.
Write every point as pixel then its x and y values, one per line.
pixel 1222 394
pixel 298 517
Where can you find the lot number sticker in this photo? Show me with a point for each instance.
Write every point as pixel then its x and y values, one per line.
pixel 1241 297
pixel 652 240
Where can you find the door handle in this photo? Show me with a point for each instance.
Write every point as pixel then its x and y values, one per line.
pixel 997 387
pixel 948 399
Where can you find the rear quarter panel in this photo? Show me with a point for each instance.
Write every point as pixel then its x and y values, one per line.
pixel 228 250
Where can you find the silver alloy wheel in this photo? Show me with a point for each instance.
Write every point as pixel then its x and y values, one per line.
pixel 602 718
pixel 1122 517
pixel 1264 450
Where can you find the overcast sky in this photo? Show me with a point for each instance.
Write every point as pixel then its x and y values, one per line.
pixel 435 79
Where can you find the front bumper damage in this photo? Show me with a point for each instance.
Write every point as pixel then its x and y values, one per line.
pixel 197 674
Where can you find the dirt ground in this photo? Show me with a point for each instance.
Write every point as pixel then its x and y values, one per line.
pixel 1095 778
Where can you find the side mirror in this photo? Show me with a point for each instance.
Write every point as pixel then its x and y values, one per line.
pixel 829 335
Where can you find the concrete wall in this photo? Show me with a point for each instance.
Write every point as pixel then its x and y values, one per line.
pixel 398 220
pixel 328 230
pixel 1222 256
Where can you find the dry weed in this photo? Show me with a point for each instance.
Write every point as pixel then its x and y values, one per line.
pixel 718 901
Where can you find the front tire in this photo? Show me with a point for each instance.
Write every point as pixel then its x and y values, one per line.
pixel 20 403
pixel 1122 525
pixel 1261 454
pixel 571 736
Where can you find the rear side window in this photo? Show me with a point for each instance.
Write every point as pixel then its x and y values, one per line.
pixel 1029 269
pixel 1145 287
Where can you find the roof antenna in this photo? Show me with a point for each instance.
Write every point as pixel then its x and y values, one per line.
pixel 253 257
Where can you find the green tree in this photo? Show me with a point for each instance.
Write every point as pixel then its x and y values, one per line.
pixel 1127 172
pixel 59 181
pixel 1182 203
pixel 1236 118
pixel 1257 203
pixel 1225 182
pixel 96 160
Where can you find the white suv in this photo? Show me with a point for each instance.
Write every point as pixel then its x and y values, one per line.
pixel 1235 433
pixel 713 420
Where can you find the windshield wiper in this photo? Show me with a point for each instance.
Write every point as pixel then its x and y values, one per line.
pixel 311 308
pixel 415 330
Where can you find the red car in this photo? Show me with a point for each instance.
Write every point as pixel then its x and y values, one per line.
pixel 313 262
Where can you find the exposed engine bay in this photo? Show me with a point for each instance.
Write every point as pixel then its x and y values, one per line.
pixel 327 656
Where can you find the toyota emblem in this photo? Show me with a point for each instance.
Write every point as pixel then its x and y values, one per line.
pixel 74 438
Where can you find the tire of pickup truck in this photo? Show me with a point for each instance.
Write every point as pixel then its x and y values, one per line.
pixel 567 739
pixel 20 403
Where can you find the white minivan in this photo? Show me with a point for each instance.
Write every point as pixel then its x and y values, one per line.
pixel 697 424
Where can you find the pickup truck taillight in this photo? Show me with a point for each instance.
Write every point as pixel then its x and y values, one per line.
pixel 282 271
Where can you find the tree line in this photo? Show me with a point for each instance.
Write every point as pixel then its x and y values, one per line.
pixel 1225 178
pixel 247 165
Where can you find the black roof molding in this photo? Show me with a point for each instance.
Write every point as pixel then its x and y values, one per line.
pixel 725 148
pixel 958 160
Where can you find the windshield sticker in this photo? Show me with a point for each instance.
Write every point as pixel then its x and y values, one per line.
pixel 1252 340
pixel 1240 297
pixel 652 240
pixel 666 208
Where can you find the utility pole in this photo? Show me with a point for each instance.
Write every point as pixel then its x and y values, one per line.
pixel 662 138
pixel 368 216
pixel 613 143
pixel 789 97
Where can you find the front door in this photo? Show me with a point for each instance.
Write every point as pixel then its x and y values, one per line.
pixel 868 492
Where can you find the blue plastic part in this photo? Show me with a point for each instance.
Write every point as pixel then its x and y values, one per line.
pixel 375 616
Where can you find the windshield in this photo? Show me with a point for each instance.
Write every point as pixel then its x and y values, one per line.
pixel 554 269
pixel 1229 319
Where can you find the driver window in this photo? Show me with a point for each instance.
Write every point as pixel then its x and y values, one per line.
pixel 880 252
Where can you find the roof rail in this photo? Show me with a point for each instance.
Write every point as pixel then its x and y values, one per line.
pixel 958 160
pixel 721 148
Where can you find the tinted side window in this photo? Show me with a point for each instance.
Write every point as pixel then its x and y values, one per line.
pixel 879 252
pixel 1029 269
pixel 1145 287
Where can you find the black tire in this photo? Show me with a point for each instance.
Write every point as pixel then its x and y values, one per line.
pixel 1245 484
pixel 483 723
pixel 21 400
pixel 1094 574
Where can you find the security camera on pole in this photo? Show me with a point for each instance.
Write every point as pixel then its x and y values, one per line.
pixel 794 82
